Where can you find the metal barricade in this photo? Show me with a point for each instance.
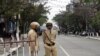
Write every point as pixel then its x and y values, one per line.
pixel 9 50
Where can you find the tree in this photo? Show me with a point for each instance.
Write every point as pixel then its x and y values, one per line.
pixel 11 7
pixel 42 20
pixel 33 13
pixel 95 22
pixel 29 11
pixel 76 21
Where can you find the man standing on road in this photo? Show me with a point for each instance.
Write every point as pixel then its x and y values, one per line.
pixel 49 37
pixel 32 36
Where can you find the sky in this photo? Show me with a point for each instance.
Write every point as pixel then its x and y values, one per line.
pixel 56 6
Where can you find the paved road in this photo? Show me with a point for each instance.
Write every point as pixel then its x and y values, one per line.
pixel 71 46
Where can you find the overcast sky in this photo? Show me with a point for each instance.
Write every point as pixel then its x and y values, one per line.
pixel 56 6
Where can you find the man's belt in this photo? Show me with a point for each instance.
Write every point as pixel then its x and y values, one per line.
pixel 50 44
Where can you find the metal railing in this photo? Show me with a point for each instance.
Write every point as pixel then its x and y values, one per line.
pixel 9 50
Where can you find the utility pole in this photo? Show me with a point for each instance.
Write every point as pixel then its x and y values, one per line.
pixel 17 17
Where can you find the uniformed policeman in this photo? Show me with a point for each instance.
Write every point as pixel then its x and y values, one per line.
pixel 32 36
pixel 49 37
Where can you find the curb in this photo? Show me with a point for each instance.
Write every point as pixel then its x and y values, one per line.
pixel 12 50
pixel 96 38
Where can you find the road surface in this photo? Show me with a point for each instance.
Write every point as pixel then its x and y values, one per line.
pixel 68 45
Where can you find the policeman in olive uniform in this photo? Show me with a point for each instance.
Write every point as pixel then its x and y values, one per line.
pixel 49 37
pixel 32 36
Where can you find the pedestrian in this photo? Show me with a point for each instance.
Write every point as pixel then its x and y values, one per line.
pixel 2 28
pixel 49 37
pixel 32 36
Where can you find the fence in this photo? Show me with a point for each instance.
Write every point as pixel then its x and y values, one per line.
pixel 8 49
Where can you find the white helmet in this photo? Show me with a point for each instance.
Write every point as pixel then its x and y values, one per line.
pixel 34 25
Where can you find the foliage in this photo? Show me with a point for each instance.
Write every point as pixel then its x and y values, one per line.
pixel 96 21
pixel 9 8
pixel 42 20
pixel 82 19
pixel 28 11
